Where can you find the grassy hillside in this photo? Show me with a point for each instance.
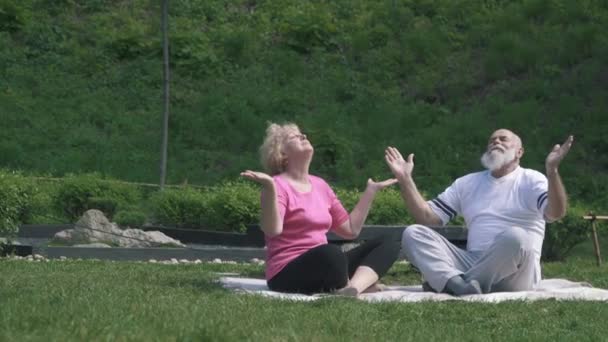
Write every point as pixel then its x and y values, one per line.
pixel 80 85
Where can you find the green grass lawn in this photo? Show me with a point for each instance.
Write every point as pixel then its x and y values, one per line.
pixel 99 300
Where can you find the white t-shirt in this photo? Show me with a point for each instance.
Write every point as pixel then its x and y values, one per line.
pixel 489 205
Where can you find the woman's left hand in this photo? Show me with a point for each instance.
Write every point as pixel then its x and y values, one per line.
pixel 380 185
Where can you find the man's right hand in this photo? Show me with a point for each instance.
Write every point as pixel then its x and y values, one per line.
pixel 400 167
pixel 258 177
pixel 557 154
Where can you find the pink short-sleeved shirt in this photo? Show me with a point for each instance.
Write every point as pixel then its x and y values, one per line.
pixel 307 217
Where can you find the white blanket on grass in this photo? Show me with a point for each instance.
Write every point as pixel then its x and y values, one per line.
pixel 559 289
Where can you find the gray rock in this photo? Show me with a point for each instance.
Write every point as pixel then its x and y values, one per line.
pixel 94 227
pixel 257 261
pixel 64 235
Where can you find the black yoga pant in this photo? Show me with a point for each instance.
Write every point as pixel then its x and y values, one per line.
pixel 326 268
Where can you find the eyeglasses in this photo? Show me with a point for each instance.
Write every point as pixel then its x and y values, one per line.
pixel 300 136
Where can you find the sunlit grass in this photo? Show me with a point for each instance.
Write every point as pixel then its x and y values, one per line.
pixel 101 300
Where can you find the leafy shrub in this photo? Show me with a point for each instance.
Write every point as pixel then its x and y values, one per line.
pixel 333 155
pixel 128 38
pixel 13 15
pixel 42 207
pixel 563 235
pixel 193 52
pixel 130 218
pixel 16 194
pixel 77 194
pixel 236 45
pixel 348 197
pixel 388 207
pixel 306 26
pixel 106 204
pixel 184 207
pixel 233 205
pixel 229 207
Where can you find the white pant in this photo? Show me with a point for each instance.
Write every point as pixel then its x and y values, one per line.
pixel 508 265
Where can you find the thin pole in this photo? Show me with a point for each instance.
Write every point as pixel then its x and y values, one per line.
pixel 165 35
pixel 596 244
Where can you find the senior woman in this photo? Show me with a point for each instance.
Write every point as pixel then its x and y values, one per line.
pixel 298 209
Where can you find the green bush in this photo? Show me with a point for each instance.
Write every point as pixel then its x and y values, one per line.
pixel 348 197
pixel 130 218
pixel 16 193
pixel 563 235
pixel 77 194
pixel 184 207
pixel 13 15
pixel 388 207
pixel 42 206
pixel 233 205
pixel 227 207
pixel 106 204
pixel 305 26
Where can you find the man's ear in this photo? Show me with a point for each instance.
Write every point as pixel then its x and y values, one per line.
pixel 520 152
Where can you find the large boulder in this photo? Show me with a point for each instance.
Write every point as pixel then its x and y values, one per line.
pixel 94 227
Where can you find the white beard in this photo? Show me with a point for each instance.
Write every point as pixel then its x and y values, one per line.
pixel 496 159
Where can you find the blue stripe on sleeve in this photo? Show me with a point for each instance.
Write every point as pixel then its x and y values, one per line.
pixel 541 199
pixel 451 213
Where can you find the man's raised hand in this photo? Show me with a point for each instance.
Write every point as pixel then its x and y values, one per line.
pixel 557 154
pixel 399 166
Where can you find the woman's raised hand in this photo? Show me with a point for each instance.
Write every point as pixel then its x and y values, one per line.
pixel 258 177
pixel 376 186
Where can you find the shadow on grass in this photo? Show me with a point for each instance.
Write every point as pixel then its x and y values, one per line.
pixel 402 275
pixel 206 284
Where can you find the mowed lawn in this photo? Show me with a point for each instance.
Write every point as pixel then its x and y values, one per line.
pixel 121 301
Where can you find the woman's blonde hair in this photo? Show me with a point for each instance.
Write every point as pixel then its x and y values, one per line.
pixel 271 154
